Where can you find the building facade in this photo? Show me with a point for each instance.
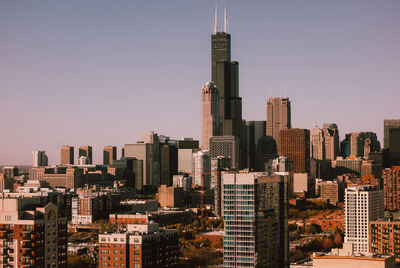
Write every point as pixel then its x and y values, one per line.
pixel 226 146
pixel 391 178
pixel 87 152
pixel 39 159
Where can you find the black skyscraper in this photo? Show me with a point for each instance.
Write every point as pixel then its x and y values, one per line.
pixel 225 75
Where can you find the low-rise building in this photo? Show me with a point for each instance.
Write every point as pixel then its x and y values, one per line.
pixel 327 222
pixel 142 245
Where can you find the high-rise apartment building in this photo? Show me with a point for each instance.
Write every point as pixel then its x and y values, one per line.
pixel 295 144
pixel 210 119
pixel 391 180
pixel 278 116
pixel 201 168
pixel 389 124
pixel 255 212
pixel 362 205
pixel 385 237
pixel 317 144
pixel 109 154
pixel 227 146
pixel 32 235
pixel 86 151
pixel 331 139
pixel 142 245
pixel 39 159
pixel 67 155
pixel 218 164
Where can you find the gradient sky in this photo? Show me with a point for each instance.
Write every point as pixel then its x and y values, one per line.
pixel 103 72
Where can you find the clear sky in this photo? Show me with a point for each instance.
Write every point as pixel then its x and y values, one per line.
pixel 103 72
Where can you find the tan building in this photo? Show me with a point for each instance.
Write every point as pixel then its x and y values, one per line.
pixel 278 116
pixel 210 120
pixel 72 178
pixel 109 154
pixel 332 191
pixel 385 237
pixel 331 138
pixel 31 235
pixel 317 144
pixel 170 196
pixel 345 258
pixel 6 183
pixel 67 155
pixel 86 151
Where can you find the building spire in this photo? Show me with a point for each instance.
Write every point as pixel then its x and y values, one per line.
pixel 286 92
pixel 225 20
pixel 216 19
pixel 270 92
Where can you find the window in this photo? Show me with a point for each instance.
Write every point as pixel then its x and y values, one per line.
pixel 8 218
pixel 136 246
pixel 136 253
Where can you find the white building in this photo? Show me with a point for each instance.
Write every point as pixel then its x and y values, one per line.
pixel 201 168
pixel 39 159
pixel 362 204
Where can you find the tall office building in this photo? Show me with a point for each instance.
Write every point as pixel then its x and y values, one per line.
pixel 147 149
pixel 362 141
pixel 227 146
pixel 67 155
pixel 394 146
pixel 210 119
pixel 255 213
pixel 169 163
pixel 331 139
pixel 362 204
pixel 317 144
pixel 225 75
pixel 295 144
pixel 389 124
pixel 278 116
pixel 86 151
pixel 255 132
pixel 39 159
pixel 109 154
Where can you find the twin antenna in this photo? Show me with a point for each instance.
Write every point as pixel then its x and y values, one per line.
pixel 216 20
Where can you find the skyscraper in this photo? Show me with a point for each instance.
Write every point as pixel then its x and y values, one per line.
pixel 295 144
pixel 255 213
pixel 362 205
pixel 39 159
pixel 86 151
pixel 67 155
pixel 210 119
pixel 317 144
pixel 331 138
pixel 109 154
pixel 255 131
pixel 201 168
pixel 278 116
pixel 225 75
pixel 389 124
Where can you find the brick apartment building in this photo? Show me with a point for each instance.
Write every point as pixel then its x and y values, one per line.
pixel 326 222
pixel 391 186
pixel 142 245
pixel 31 235
pixel 385 237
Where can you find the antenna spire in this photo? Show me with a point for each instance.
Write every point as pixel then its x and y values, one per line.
pixel 225 20
pixel 270 92
pixel 216 19
pixel 286 92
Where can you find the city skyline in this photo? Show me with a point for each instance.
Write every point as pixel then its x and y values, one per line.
pixel 86 67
